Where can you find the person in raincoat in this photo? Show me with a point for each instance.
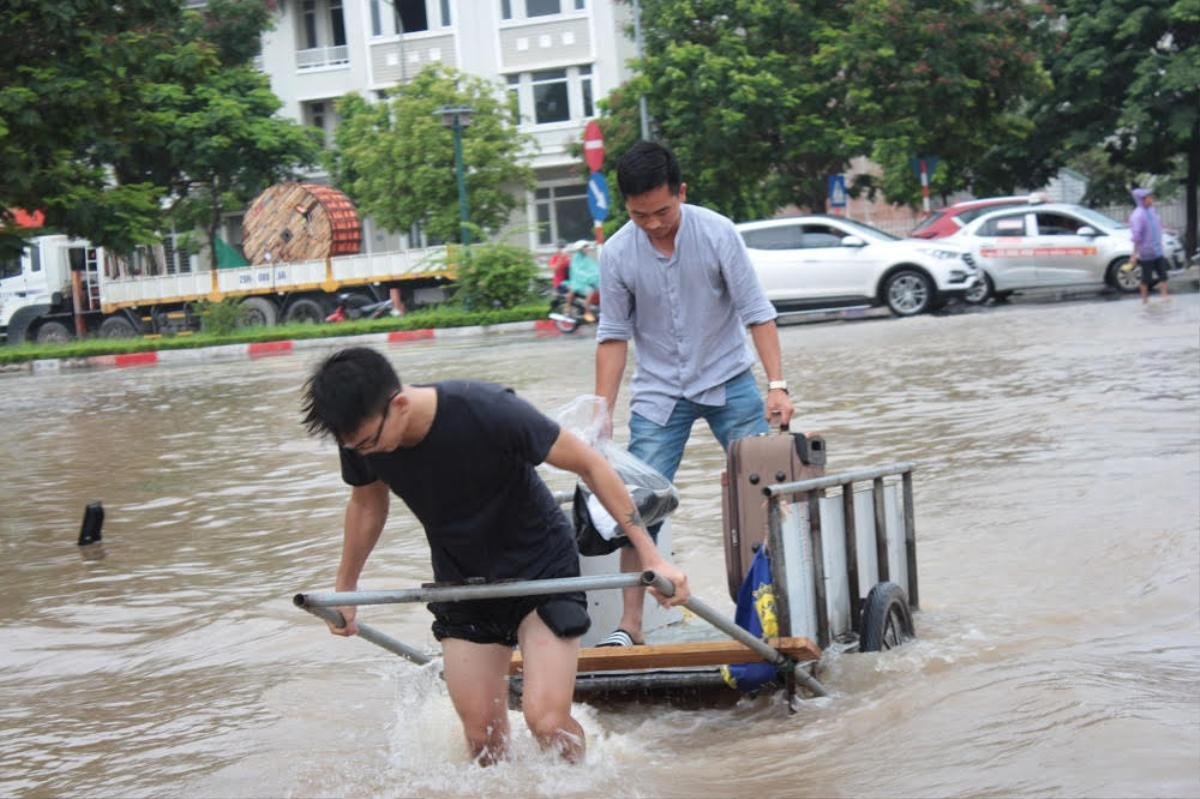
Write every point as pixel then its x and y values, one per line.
pixel 1146 230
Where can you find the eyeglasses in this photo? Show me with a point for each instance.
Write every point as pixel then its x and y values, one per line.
pixel 364 447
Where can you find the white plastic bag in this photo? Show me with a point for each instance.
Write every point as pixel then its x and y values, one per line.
pixel 596 532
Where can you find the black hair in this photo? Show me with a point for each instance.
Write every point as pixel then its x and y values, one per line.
pixel 645 166
pixel 346 389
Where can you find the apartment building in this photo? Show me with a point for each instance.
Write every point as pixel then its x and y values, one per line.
pixel 557 56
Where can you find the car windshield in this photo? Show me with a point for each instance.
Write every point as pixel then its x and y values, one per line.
pixel 929 220
pixel 1097 218
pixel 870 232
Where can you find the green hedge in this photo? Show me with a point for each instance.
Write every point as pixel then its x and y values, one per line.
pixel 439 316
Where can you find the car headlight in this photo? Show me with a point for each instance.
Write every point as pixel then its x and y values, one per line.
pixel 941 255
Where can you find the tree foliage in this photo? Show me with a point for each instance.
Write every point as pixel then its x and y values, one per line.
pixel 395 158
pixel 113 117
pixel 762 101
pixel 1127 79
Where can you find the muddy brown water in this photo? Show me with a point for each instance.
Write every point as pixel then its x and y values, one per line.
pixel 1057 508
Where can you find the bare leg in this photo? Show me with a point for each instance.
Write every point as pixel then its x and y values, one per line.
pixel 549 683
pixel 633 599
pixel 477 678
pixel 1144 290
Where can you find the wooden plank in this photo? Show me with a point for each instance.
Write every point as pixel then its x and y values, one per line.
pixel 690 653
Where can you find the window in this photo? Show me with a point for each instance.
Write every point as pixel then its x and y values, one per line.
pixel 310 24
pixel 542 8
pixel 580 5
pixel 505 9
pixel 35 257
pixel 585 88
pixel 514 97
pixel 376 19
pixel 11 267
pixel 446 13
pixel 410 16
pixel 550 96
pixel 822 236
pixel 337 23
pixel 562 213
pixel 1004 226
pixel 1057 225
pixel 780 237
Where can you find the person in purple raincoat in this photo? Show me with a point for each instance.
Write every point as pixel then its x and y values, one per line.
pixel 1145 228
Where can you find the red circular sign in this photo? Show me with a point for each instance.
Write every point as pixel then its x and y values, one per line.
pixel 593 146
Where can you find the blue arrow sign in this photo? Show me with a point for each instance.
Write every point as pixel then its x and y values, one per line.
pixel 837 191
pixel 597 196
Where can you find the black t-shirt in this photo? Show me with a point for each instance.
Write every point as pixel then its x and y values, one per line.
pixel 471 483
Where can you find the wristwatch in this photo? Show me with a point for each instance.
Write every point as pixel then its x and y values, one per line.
pixel 777 384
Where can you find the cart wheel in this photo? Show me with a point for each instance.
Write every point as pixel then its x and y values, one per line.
pixel 886 620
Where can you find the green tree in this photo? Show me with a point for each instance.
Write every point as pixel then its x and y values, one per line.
pixel 952 79
pixel 1127 79
pixel 395 158
pixel 740 91
pixel 122 118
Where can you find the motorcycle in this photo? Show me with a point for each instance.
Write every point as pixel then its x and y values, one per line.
pixel 581 311
pixel 356 306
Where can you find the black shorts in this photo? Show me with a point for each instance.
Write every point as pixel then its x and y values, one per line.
pixel 495 621
pixel 1152 267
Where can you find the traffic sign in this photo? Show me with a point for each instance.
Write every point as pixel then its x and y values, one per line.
pixel 597 196
pixel 837 191
pixel 593 146
pixel 926 163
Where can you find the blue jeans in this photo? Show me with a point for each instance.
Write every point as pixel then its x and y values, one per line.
pixel 661 446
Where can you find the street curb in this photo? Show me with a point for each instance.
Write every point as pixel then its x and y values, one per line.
pixel 541 328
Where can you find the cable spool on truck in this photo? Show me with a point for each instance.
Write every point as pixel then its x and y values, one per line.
pixel 302 242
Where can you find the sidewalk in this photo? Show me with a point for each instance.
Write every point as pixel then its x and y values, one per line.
pixel 540 328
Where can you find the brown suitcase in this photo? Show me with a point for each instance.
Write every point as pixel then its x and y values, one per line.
pixel 752 464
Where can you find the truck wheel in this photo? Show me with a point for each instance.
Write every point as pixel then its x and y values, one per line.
pixel 305 311
pixel 886 620
pixel 53 333
pixel 258 312
pixel 118 327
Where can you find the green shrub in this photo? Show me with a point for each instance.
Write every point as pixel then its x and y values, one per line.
pixel 495 276
pixel 221 318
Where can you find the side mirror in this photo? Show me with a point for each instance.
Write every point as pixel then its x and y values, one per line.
pixel 853 241
pixel 1087 230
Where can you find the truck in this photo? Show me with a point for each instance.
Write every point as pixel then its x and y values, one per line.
pixel 61 288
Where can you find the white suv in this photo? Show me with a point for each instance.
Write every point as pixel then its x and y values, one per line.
pixel 828 261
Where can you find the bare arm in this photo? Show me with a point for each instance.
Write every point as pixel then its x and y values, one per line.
pixel 766 341
pixel 610 365
pixel 571 453
pixel 366 513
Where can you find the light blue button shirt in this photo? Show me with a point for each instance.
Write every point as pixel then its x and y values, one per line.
pixel 686 314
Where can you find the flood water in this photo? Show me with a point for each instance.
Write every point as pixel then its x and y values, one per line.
pixel 1058 529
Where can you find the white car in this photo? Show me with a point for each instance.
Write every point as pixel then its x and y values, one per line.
pixel 829 261
pixel 1053 246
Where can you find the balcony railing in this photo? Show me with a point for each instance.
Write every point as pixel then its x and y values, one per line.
pixel 318 57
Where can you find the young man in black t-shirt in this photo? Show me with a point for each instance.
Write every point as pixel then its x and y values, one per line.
pixel 461 454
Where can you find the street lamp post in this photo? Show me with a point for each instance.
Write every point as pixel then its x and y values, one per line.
pixel 456 118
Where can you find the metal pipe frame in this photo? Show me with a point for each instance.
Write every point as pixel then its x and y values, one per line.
pixel 320 602
pixel 829 481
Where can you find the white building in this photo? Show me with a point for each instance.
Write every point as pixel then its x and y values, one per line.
pixel 558 56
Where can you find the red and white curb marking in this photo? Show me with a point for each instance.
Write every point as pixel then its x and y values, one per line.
pixel 267 349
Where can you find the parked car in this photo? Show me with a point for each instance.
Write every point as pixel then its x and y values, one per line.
pixel 829 261
pixel 1053 245
pixel 952 218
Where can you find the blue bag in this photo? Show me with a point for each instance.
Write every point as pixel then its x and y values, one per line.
pixel 756 613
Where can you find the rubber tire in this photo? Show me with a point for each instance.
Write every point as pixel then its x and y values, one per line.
pixel 989 291
pixel 118 327
pixel 900 274
pixel 886 607
pixel 258 312
pixel 305 311
pixel 53 332
pixel 566 326
pixel 1114 274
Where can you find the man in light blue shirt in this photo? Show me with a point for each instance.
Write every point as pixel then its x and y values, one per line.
pixel 677 281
